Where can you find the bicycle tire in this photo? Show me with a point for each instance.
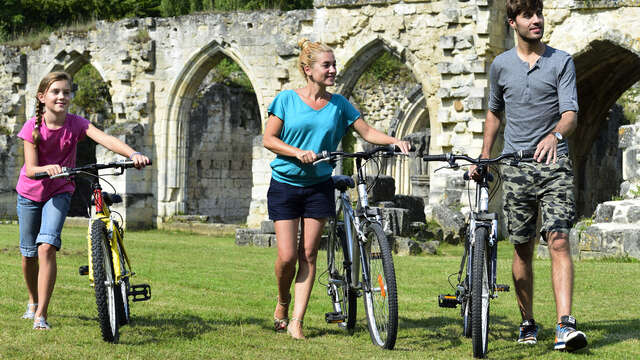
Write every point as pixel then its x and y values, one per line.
pixel 343 299
pixel 480 294
pixel 104 282
pixel 380 293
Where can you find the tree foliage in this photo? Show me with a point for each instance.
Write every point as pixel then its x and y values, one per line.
pixel 22 16
pixel 92 95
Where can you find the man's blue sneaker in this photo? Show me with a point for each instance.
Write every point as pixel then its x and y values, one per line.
pixel 528 332
pixel 567 337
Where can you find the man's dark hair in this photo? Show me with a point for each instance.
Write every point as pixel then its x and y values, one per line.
pixel 516 7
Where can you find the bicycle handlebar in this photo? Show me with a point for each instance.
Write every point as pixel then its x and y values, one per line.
pixel 522 155
pixel 123 164
pixel 389 149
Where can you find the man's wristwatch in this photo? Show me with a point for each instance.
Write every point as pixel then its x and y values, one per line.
pixel 558 136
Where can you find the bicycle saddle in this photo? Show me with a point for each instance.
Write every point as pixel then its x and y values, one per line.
pixel 343 182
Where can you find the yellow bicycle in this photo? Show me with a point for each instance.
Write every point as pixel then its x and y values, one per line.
pixel 109 268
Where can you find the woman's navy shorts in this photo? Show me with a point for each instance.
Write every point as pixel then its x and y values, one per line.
pixel 286 202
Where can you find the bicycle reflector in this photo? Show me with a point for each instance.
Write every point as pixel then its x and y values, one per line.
pixel 381 282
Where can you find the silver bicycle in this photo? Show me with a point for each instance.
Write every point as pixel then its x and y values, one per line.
pixel 479 260
pixel 357 245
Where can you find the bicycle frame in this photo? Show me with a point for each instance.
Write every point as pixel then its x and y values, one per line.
pixel 363 213
pixel 481 217
pixel 101 212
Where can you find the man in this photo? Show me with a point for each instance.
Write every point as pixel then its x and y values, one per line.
pixel 535 85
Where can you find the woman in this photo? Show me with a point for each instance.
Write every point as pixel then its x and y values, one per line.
pixel 302 123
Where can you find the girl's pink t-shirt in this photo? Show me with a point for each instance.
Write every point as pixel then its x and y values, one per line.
pixel 55 147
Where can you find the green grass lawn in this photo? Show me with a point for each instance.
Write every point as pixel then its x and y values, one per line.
pixel 214 300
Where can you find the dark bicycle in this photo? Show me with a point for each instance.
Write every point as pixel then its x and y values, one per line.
pixel 477 274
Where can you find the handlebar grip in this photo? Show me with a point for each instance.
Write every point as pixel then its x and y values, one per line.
pixel 322 155
pixel 40 175
pixel 129 163
pixel 440 157
pixel 397 149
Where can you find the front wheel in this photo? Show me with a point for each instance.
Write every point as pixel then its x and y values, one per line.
pixel 480 294
pixel 343 299
pixel 104 282
pixel 380 293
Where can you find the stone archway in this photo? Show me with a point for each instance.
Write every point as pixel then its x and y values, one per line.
pixel 604 71
pixel 412 122
pixel 226 160
pixel 411 115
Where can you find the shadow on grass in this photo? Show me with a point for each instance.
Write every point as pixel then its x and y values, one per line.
pixel 613 331
pixel 176 326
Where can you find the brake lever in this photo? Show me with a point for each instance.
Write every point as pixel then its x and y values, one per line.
pixel 322 160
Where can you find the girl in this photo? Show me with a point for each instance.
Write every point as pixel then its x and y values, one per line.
pixel 50 140
pixel 301 123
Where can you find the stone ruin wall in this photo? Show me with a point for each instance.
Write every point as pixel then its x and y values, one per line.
pixel 154 67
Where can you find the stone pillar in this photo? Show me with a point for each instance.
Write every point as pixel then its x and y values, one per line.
pixel 138 206
pixel 12 117
pixel 261 178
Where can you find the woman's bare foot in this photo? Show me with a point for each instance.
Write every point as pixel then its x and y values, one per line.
pixel 295 329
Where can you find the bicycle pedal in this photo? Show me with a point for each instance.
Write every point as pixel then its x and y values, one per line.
pixel 502 287
pixel 83 270
pixel 140 292
pixel 448 301
pixel 334 318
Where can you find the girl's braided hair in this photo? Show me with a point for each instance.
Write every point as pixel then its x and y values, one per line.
pixel 42 89
pixel 309 51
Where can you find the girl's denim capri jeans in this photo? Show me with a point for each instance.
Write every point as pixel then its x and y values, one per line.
pixel 41 222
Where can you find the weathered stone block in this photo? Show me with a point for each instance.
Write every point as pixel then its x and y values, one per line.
pixel 384 190
pixel 452 222
pixel 264 240
pixel 414 204
pixel 627 136
pixel 406 246
pixel 604 212
pixel 245 236
pixel 267 227
pixel 395 221
pixel 447 42
pixel 429 247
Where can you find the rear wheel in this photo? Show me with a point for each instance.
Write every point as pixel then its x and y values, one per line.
pixel 380 294
pixel 480 294
pixel 343 299
pixel 104 282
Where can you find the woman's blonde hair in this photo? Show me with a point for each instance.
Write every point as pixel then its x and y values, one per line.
pixel 309 51
pixel 46 81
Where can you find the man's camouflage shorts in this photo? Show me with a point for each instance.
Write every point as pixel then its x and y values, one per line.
pixel 531 187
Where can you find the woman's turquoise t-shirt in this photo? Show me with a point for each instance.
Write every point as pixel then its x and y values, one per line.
pixel 309 129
